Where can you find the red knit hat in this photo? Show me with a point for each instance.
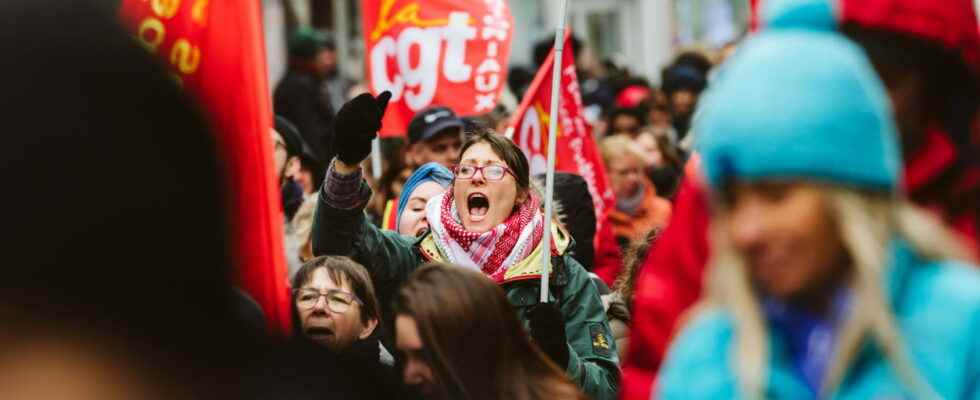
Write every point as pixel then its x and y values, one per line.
pixel 952 23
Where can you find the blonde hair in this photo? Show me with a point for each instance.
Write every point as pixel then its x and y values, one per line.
pixel 617 146
pixel 866 223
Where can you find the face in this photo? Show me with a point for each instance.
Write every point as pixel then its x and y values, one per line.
pixel 412 220
pixel 659 117
pixel 683 101
pixel 399 183
pixel 305 179
pixel 484 204
pixel 417 372
pixel 279 154
pixel 625 123
pixel 336 331
pixel 442 148
pixel 326 62
pixel 652 158
pixel 788 239
pixel 626 175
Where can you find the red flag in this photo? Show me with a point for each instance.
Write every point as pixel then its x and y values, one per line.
pixel 576 151
pixel 451 53
pixel 215 49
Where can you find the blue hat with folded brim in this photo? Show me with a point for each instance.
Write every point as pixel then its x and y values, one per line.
pixel 799 102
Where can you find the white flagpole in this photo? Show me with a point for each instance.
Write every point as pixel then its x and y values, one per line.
pixel 376 158
pixel 549 186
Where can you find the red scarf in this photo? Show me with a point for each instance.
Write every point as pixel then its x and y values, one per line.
pixel 503 241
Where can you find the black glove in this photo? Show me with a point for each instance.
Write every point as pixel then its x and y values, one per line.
pixel 548 331
pixel 357 124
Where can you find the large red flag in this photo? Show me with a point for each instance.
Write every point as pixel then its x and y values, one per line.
pixel 215 49
pixel 451 53
pixel 576 151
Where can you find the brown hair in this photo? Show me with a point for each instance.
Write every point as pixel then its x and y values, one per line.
pixel 476 347
pixel 503 148
pixel 340 269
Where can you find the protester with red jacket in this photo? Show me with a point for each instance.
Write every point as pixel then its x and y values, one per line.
pixel 934 112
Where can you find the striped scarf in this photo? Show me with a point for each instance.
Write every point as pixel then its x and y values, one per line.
pixel 493 251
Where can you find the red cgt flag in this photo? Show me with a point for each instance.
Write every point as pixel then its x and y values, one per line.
pixel 215 50
pixel 576 152
pixel 451 53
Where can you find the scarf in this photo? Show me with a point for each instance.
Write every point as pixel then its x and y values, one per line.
pixel 629 204
pixel 810 338
pixel 491 252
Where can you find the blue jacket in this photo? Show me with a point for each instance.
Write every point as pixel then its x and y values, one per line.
pixel 937 308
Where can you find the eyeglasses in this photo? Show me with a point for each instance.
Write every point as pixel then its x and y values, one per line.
pixel 338 301
pixel 491 172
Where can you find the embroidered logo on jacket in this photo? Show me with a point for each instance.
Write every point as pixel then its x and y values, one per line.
pixel 600 340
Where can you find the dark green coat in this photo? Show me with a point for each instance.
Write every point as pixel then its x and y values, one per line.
pixel 389 257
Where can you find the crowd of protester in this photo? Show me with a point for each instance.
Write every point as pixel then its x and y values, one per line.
pixel 796 216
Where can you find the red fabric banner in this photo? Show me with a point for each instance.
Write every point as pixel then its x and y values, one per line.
pixel 451 53
pixel 215 49
pixel 576 152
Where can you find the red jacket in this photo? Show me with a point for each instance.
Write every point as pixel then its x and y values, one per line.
pixel 669 283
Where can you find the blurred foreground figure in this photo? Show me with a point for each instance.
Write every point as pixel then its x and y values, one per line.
pixel 923 36
pixel 116 271
pixel 460 340
pixel 825 281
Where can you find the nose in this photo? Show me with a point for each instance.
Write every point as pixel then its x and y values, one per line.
pixel 321 304
pixel 478 177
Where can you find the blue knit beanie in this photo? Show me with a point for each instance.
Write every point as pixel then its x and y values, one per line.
pixel 432 171
pixel 799 101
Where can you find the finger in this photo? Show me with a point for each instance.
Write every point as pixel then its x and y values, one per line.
pixel 382 102
pixel 361 102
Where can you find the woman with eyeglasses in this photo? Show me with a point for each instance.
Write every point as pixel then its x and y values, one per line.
pixel 334 307
pixel 490 220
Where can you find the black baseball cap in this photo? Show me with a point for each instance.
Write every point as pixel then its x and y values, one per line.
pixel 430 122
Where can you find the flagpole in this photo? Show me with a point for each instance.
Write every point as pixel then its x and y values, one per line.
pixel 549 186
pixel 376 158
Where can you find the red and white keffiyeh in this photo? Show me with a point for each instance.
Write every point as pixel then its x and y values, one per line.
pixel 493 251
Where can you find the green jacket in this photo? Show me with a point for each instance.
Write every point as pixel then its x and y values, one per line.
pixel 389 257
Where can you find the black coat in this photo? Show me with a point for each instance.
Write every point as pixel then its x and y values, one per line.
pixel 299 99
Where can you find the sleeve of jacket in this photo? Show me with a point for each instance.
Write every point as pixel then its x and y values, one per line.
pixel 593 362
pixel 388 256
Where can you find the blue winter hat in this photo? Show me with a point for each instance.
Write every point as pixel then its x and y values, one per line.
pixel 799 104
pixel 432 171
pixel 794 14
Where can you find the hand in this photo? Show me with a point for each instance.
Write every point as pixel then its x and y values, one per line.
pixel 548 331
pixel 356 125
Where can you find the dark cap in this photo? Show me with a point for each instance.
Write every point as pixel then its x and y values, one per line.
pixel 430 121
pixel 306 42
pixel 295 145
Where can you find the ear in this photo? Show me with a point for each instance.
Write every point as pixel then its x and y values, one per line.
pixel 522 197
pixel 368 328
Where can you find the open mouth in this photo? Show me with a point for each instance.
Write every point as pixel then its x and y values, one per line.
pixel 318 332
pixel 477 204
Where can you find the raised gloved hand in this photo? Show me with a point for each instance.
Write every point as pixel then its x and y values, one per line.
pixel 548 331
pixel 357 124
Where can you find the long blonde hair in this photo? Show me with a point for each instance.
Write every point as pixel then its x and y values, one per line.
pixel 866 223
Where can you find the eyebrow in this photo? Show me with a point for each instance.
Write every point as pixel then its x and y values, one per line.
pixel 481 162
